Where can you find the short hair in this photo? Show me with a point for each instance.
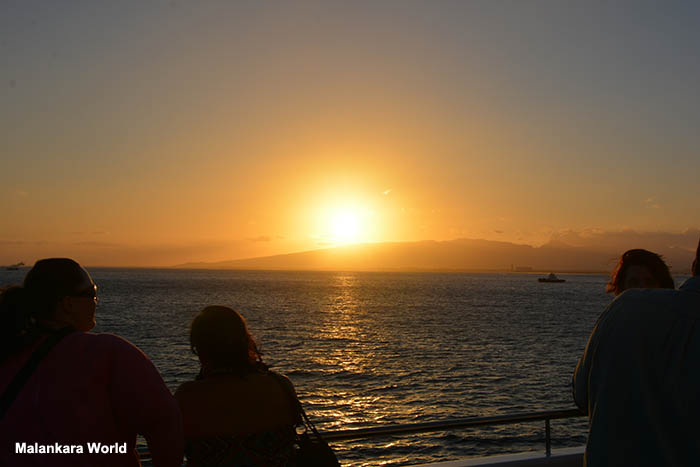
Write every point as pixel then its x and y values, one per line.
pixel 52 279
pixel 639 257
pixel 45 285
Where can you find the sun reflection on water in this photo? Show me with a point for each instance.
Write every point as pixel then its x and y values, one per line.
pixel 370 349
pixel 349 355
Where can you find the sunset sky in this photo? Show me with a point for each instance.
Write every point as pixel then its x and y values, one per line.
pixel 161 132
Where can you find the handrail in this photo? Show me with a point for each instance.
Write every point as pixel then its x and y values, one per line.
pixel 450 424
pixel 359 433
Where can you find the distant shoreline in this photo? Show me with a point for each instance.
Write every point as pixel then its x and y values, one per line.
pixel 382 270
pixel 379 271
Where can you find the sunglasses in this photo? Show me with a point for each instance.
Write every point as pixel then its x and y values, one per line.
pixel 90 292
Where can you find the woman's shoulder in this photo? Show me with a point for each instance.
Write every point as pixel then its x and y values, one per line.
pixel 283 381
pixel 108 348
pixel 278 375
pixel 103 340
pixel 185 389
pixel 259 385
pixel 199 391
pixel 233 405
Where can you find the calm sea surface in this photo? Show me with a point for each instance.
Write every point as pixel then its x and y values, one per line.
pixel 367 349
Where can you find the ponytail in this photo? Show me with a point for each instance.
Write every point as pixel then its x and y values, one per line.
pixel 15 320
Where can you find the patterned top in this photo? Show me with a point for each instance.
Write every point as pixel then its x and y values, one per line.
pixel 269 449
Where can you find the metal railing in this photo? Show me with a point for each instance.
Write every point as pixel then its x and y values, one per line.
pixel 451 424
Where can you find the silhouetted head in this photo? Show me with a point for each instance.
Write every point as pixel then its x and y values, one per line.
pixel 696 261
pixel 56 292
pixel 639 269
pixel 220 337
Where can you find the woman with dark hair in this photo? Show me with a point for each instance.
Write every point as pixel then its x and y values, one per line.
pixel 70 398
pixel 639 269
pixel 237 412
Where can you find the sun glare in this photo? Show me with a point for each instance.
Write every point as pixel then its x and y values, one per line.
pixel 344 224
pixel 345 227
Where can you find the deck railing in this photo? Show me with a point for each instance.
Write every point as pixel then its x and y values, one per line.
pixel 450 424
pixel 455 423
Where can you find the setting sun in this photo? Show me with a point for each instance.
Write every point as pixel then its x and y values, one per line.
pixel 341 223
pixel 346 227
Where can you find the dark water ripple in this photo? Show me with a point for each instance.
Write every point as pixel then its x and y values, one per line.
pixel 367 349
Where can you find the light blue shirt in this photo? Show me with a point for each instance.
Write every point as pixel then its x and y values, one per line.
pixel 639 379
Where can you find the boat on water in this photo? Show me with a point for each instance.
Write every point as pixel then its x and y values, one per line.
pixel 14 267
pixel 550 278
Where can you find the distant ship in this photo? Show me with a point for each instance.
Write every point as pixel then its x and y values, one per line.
pixel 14 267
pixel 550 278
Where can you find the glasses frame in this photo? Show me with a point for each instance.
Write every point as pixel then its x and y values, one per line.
pixel 88 293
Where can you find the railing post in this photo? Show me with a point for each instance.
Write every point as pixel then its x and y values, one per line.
pixel 547 438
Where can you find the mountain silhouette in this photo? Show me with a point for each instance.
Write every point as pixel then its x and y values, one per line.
pixel 453 255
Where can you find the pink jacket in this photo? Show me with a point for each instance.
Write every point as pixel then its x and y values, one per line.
pixel 91 388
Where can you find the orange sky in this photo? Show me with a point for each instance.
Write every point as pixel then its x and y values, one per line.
pixel 167 133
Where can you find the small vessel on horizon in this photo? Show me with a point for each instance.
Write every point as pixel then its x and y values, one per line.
pixel 550 278
pixel 14 267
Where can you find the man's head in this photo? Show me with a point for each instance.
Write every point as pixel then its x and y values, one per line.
pixel 696 261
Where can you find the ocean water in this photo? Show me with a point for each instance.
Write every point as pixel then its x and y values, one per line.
pixel 367 349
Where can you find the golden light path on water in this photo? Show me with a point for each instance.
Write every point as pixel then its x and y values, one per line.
pixel 340 323
pixel 371 349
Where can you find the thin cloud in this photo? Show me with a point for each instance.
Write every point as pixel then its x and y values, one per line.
pixel 13 242
pixel 386 192
pixel 95 232
pixel 625 239
pixel 98 244
pixel 652 203
pixel 261 238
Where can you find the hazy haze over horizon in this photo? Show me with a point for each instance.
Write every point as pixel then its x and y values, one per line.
pixel 166 132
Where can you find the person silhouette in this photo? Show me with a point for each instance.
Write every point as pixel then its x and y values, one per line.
pixel 237 411
pixel 638 379
pixel 67 392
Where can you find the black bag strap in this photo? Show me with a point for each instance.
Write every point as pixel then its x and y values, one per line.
pixel 327 456
pixel 13 389
pixel 300 414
